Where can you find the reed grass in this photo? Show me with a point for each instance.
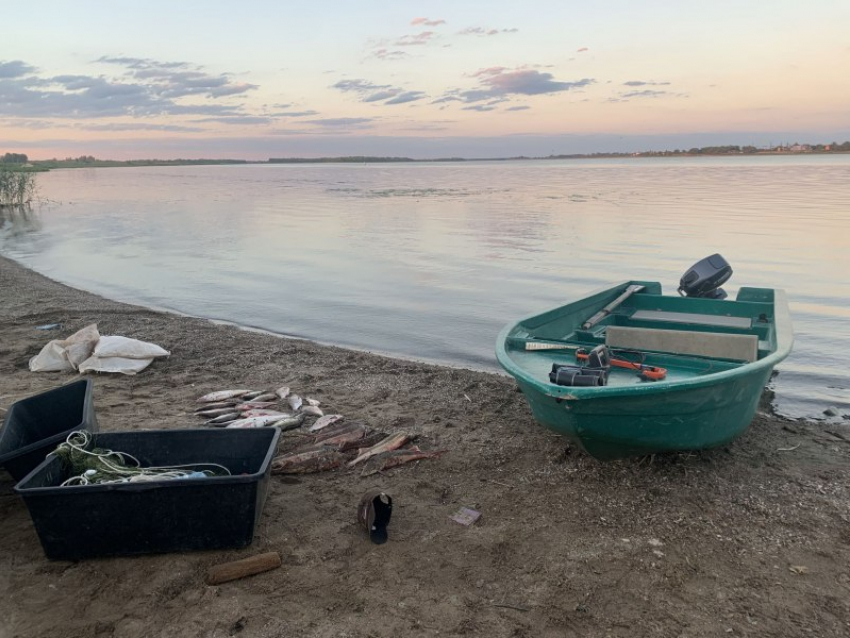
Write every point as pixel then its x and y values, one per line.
pixel 16 188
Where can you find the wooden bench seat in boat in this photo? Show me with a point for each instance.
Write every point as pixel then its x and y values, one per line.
pixel 737 347
pixel 692 318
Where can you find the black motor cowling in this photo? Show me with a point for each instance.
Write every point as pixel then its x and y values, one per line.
pixel 704 278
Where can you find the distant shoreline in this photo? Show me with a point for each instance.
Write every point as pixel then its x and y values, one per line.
pixel 46 165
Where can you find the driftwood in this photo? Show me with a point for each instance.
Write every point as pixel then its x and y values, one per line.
pixel 242 568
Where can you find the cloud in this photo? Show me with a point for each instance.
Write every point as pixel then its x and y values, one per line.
pixel 296 113
pixel 371 92
pixel 427 22
pixel 358 86
pixel 179 79
pixel 239 120
pixel 139 126
pixel 381 95
pixel 645 93
pixel 499 82
pixel 15 69
pixel 479 107
pixel 517 108
pixel 386 54
pixel 415 40
pixel 641 83
pixel 407 96
pixel 334 122
pixel 582 50
pixel 147 89
pixel 487 32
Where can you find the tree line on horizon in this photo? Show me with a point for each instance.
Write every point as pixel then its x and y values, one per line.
pixel 20 161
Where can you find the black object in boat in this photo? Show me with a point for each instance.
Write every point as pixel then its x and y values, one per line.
pixel 565 374
pixel 704 278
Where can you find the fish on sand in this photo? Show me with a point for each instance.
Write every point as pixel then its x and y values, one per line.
pixel 393 458
pixel 255 421
pixel 221 395
pixel 222 419
pixel 282 392
pixel 325 421
pixel 247 414
pixel 294 401
pixel 316 460
pixel 289 422
pixel 392 442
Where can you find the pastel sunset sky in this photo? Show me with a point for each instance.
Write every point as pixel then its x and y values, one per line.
pixel 256 79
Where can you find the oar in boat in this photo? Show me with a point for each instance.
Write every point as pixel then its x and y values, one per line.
pixel 599 316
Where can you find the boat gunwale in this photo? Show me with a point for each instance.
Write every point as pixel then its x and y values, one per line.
pixel 783 337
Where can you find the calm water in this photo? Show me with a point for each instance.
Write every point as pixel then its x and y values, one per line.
pixel 429 261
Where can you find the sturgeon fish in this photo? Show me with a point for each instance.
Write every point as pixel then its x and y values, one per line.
pixel 386 460
pixel 316 460
pixel 392 442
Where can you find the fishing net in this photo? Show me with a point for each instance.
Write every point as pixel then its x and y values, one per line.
pixel 87 465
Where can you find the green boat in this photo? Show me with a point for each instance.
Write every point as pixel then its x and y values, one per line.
pixel 590 369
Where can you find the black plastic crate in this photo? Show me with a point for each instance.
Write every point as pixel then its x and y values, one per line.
pixel 169 515
pixel 34 426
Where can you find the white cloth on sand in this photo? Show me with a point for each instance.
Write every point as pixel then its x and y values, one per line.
pixel 87 351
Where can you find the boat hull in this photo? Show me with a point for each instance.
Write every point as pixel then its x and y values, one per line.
pixel 672 419
pixel 709 395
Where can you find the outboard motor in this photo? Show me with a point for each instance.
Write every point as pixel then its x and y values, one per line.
pixel 703 279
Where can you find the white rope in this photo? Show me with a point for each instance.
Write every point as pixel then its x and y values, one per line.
pixel 78 441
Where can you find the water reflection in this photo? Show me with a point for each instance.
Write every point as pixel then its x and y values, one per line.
pixel 429 261
pixel 16 222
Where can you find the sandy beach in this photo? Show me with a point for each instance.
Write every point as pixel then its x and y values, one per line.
pixel 752 539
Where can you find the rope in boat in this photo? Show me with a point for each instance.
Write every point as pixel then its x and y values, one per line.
pixel 100 466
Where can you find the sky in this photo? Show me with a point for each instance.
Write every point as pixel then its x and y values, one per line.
pixel 254 79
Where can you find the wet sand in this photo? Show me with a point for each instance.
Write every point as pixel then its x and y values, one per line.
pixel 751 539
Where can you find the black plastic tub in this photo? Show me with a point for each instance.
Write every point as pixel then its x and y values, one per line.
pixel 170 515
pixel 34 426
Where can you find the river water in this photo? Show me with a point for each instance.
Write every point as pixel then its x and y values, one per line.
pixel 430 260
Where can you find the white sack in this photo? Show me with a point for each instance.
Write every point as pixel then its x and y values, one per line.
pixel 79 346
pixel 52 358
pixel 116 346
pixel 64 355
pixel 123 365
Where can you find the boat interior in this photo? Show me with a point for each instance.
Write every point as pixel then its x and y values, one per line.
pixel 685 336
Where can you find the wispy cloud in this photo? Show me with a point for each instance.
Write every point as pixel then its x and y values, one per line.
pixel 517 108
pixel 485 32
pixel 427 22
pixel 419 39
pixel 341 122
pixel 179 79
pixel 499 83
pixel 645 93
pixel 138 126
pixel 297 113
pixel 358 86
pixel 582 50
pixel 147 88
pixel 642 83
pixel 405 97
pixel 239 120
pixel 387 54
pixel 371 92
